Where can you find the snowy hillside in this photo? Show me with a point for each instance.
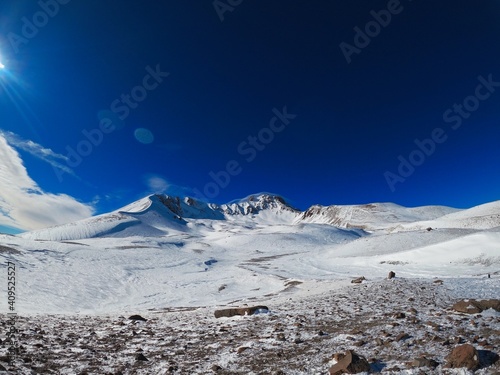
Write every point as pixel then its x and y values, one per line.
pixel 371 217
pixel 159 215
pixel 178 259
pixel 485 216
pixel 168 251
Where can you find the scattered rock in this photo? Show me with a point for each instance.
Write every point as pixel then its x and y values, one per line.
pixel 241 349
pixel 400 315
pixel 281 337
pixel 138 317
pixel 463 356
pixel 228 313
pixel 216 368
pixel 349 363
pixel 424 362
pixel 363 320
pixel 472 306
pixel 140 357
pixel 359 280
pixel 391 275
pixel 440 282
pixel 458 340
pixel 402 336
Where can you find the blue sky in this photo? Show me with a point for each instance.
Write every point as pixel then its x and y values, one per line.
pixel 323 102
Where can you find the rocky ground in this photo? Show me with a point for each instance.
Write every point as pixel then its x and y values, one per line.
pixel 392 323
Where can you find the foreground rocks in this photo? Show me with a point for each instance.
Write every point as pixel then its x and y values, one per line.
pixel 424 362
pixel 298 336
pixel 137 318
pixel 463 356
pixel 228 313
pixel 472 306
pixel 358 280
pixel 349 363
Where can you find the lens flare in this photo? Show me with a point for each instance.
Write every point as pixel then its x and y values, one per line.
pixel 144 136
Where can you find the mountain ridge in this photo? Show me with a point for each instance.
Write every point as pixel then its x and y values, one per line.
pixel 161 214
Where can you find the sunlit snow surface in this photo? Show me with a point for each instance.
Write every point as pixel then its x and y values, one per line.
pixel 146 256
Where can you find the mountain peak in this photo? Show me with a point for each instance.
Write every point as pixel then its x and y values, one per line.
pixel 161 214
pixel 191 208
pixel 256 203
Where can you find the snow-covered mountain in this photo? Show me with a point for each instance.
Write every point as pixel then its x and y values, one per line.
pixel 162 214
pixel 485 216
pixel 371 217
pixel 158 215
pixel 168 251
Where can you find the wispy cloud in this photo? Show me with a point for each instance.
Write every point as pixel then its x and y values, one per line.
pixel 157 184
pixel 23 204
pixel 37 150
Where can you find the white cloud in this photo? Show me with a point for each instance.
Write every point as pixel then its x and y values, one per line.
pixel 23 204
pixel 37 150
pixel 157 184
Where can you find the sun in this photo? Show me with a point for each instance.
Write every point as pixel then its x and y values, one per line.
pixel 2 66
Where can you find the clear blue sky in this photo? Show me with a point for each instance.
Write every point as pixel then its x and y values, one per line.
pixel 170 91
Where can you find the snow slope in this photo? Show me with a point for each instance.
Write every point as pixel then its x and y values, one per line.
pixel 485 216
pixel 159 215
pixel 164 251
pixel 371 217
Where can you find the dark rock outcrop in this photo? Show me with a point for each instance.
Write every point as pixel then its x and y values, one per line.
pixel 472 306
pixel 358 280
pixel 349 363
pixel 463 356
pixel 137 318
pixel 424 362
pixel 227 313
